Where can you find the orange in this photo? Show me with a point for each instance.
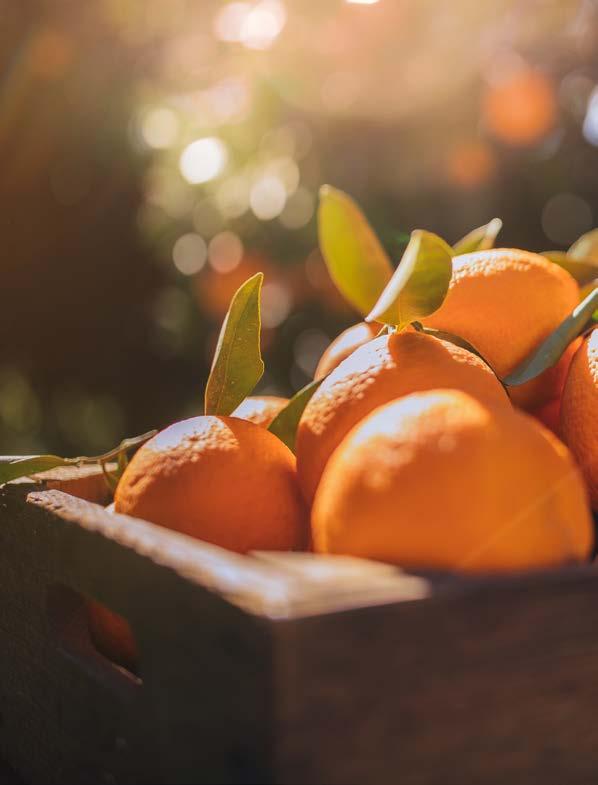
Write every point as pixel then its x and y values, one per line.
pixel 549 413
pixel 380 371
pixel 220 479
pixel 438 480
pixel 344 345
pixel 112 635
pixel 505 302
pixel 579 412
pixel 260 409
pixel 546 387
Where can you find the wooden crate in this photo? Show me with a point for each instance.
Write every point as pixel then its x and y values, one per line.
pixel 280 668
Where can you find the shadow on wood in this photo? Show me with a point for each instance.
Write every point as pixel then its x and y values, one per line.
pixel 281 668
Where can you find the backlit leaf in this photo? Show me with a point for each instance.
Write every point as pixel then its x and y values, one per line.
pixel 583 270
pixel 14 468
pixel 356 261
pixel 585 290
pixel 238 364
pixel 284 425
pixel 419 284
pixel 479 239
pixel 25 467
pixel 550 350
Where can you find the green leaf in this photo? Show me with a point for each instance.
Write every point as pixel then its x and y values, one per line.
pixel 25 467
pixel 586 247
pixel 284 425
pixel 356 261
pixel 419 284
pixel 551 349
pixel 583 270
pixel 33 464
pixel 585 290
pixel 479 239
pixel 238 364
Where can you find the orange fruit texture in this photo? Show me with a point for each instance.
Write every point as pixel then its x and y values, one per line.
pixel 579 412
pixel 505 302
pixel 549 413
pixel 345 344
pixel 380 371
pixel 219 479
pixel 260 409
pixel 438 480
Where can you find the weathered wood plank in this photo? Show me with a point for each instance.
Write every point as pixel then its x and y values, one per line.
pixel 288 668
pixel 201 713
pixel 493 686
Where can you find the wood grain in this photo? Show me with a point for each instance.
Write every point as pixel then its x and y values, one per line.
pixel 283 668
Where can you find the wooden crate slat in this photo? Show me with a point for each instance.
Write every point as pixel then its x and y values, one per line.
pixel 202 711
pixel 283 668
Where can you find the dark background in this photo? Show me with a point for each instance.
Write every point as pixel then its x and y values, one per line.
pixel 431 114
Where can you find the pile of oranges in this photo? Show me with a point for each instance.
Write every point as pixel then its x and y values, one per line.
pixel 419 444
pixel 411 450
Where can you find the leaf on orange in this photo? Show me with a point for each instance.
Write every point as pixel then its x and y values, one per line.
pixel 419 284
pixel 238 364
pixel 356 260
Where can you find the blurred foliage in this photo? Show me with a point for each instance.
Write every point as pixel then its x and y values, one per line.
pixel 155 155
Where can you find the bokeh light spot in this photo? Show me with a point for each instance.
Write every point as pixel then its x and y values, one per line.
pixel 286 170
pixel 590 123
pixel 50 53
pixel 268 197
pixel 263 24
pixel 520 108
pixel 276 304
pixel 233 196
pixel 203 160
pixel 565 217
pixel 298 210
pixel 159 128
pixel 229 21
pixel 229 99
pixel 225 252
pixel 189 253
pixel 471 164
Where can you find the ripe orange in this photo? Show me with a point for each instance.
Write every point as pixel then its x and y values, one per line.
pixel 220 479
pixel 505 302
pixel 260 409
pixel 345 344
pixel 112 635
pixel 549 413
pixel 438 480
pixel 579 412
pixel 380 371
